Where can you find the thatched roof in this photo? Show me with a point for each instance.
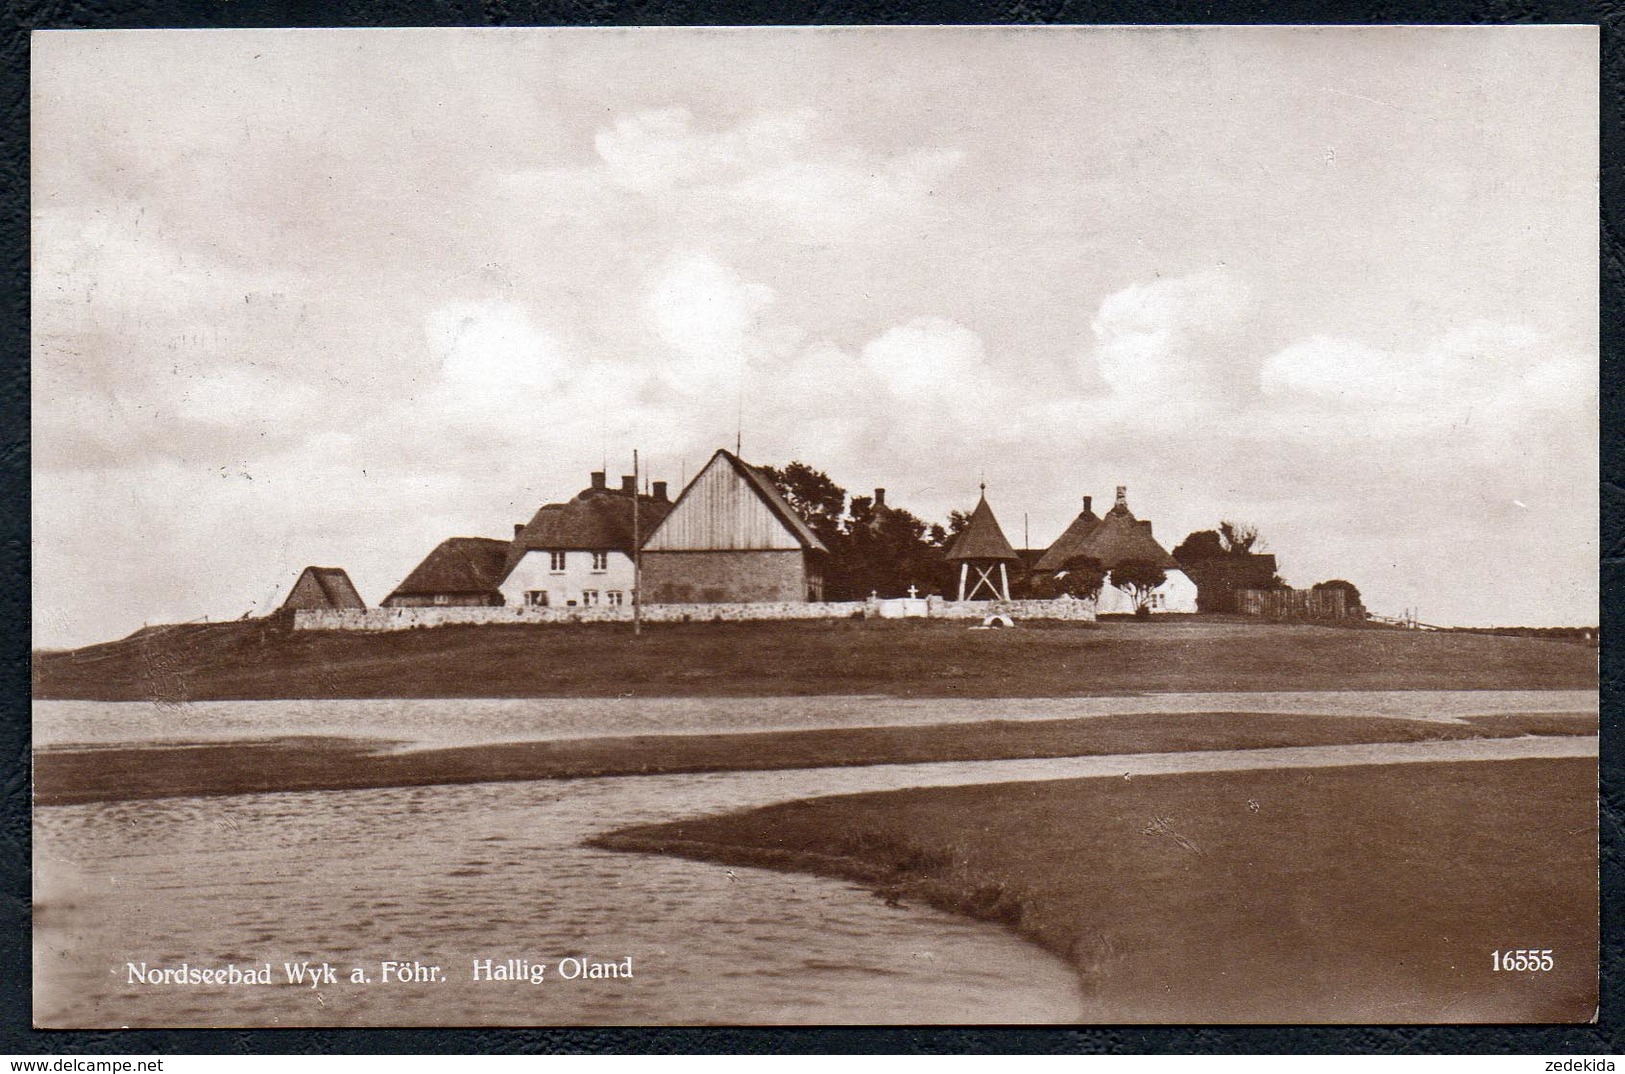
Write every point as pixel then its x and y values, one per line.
pixel 1070 543
pixel 457 565
pixel 597 520
pixel 1121 537
pixel 334 585
pixel 981 538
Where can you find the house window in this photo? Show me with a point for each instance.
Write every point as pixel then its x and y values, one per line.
pixel 589 596
pixel 555 561
pixel 1155 601
pixel 536 598
pixel 614 597
pixel 600 561
pixel 442 598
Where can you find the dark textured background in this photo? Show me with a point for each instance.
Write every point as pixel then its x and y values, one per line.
pixel 26 15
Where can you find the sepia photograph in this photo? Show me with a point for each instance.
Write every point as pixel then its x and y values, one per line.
pixel 782 526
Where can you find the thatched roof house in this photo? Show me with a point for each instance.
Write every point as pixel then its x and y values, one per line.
pixel 1120 537
pixel 460 572
pixel 580 552
pixel 323 588
pixel 1070 544
pixel 597 519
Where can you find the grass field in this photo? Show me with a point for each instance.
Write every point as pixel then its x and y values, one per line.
pixel 1361 894
pixel 914 658
pixel 66 776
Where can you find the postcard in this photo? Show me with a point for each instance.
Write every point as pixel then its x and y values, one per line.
pixel 822 525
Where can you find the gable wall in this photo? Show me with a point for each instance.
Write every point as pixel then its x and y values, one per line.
pixel 307 593
pixel 720 510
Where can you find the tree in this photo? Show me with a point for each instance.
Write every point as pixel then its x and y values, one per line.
pixel 820 502
pixel 1202 544
pixel 1138 578
pixel 957 521
pixel 1351 595
pixel 886 550
pixel 1080 577
pixel 1239 538
pixel 872 549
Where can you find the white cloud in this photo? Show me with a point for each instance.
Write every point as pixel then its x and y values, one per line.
pixel 931 361
pixel 660 148
pixel 492 355
pixel 710 318
pixel 1173 345
pixel 1484 377
pixel 771 169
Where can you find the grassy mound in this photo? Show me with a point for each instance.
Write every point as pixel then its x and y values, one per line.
pixel 911 658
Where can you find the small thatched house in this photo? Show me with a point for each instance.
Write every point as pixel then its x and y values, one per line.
pixel 580 552
pixel 731 537
pixel 1070 543
pixel 324 589
pixel 1118 537
pixel 460 572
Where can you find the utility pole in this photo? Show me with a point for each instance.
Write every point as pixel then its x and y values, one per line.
pixel 637 555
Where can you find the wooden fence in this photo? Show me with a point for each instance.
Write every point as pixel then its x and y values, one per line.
pixel 1296 603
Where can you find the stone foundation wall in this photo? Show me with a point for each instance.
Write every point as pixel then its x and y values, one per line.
pixel 382 619
pixel 724 577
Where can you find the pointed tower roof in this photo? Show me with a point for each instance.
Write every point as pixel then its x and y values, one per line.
pixel 1121 537
pixel 981 538
pixel 1070 543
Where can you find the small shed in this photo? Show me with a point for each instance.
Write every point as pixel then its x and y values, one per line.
pixel 323 588
pixel 984 555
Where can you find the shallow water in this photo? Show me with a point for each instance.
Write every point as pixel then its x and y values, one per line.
pixel 438 722
pixel 448 875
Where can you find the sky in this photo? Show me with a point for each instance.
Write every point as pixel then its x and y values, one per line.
pixel 331 296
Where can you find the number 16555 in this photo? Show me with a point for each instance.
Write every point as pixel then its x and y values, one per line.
pixel 1522 961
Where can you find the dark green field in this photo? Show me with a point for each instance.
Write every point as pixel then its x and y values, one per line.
pixel 1363 894
pixel 259 659
pixel 66 776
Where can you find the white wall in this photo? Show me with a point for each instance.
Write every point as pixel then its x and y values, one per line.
pixel 535 573
pixel 1178 595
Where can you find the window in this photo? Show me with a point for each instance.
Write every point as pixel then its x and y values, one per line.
pixel 536 598
pixel 555 561
pixel 600 561
pixel 442 598
pixel 614 596
pixel 589 596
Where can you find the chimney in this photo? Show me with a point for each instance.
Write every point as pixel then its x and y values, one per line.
pixel 598 479
pixel 518 528
pixel 660 491
pixel 880 498
pixel 1122 497
pixel 629 483
pixel 1088 505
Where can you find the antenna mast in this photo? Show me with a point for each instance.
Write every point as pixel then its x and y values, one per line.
pixel 637 554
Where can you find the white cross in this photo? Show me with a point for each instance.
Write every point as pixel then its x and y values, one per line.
pixel 913 590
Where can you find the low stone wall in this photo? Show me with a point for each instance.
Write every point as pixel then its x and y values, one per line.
pixel 1078 610
pixel 380 619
